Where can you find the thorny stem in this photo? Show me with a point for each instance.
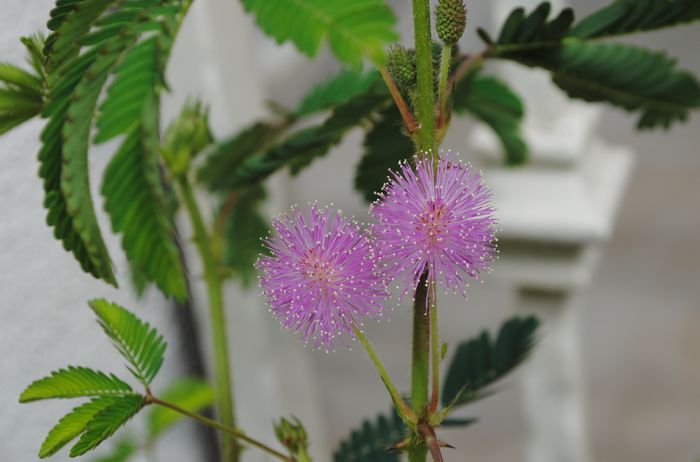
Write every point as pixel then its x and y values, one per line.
pixel 408 118
pixel 435 347
pixel 224 388
pixel 425 101
pixel 237 434
pixel 443 87
pixel 400 404
pixel 420 369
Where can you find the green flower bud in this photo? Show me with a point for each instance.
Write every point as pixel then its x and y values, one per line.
pixel 292 435
pixel 186 136
pixel 450 20
pixel 402 66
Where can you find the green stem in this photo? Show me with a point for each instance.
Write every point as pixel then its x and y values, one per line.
pixel 237 434
pixel 420 370
pixel 401 406
pixel 425 104
pixel 445 59
pixel 435 349
pixel 223 388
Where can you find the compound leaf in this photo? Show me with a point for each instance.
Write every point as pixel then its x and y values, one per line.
pixel 354 30
pixel 371 442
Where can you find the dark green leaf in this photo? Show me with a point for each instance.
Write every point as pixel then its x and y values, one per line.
pixel 302 147
pixel 372 440
pixel 337 90
pixel 136 203
pixel 226 156
pixel 385 146
pixel 630 16
pixel 480 362
pixel 75 382
pixel 136 340
pixel 106 422
pixel 493 102
pixel 354 30
pixel 243 231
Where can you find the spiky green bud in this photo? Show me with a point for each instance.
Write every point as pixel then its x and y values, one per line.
pixel 450 20
pixel 401 63
pixel 292 435
pixel 186 136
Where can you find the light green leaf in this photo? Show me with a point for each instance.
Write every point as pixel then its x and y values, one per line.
pixel 75 382
pixel 354 30
pixel 106 422
pixel 73 424
pixel 189 393
pixel 136 340
pixel 121 452
pixel 491 101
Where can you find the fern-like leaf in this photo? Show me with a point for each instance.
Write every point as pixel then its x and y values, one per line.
pixel 106 422
pixel 189 393
pixel 339 89
pixel 631 16
pixel 244 230
pixel 136 204
pixel 137 341
pixel 75 382
pixel 227 155
pixel 121 452
pixel 354 30
pixel 372 440
pixel 491 101
pixel 480 362
pixel 385 146
pixel 629 77
pixel 300 148
pixel 73 424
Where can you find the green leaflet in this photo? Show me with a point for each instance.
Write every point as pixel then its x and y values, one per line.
pixel 74 382
pixel 73 424
pixel 479 362
pixel 630 16
pixel 354 30
pixel 339 89
pixel 136 204
pixel 106 422
pixel 137 341
pixel 491 101
pixel 189 393
pixel 372 440
pixel 385 146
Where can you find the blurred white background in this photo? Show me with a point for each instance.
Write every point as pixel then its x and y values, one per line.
pixel 638 322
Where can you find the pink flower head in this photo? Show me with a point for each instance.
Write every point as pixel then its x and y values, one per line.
pixel 321 275
pixel 437 219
